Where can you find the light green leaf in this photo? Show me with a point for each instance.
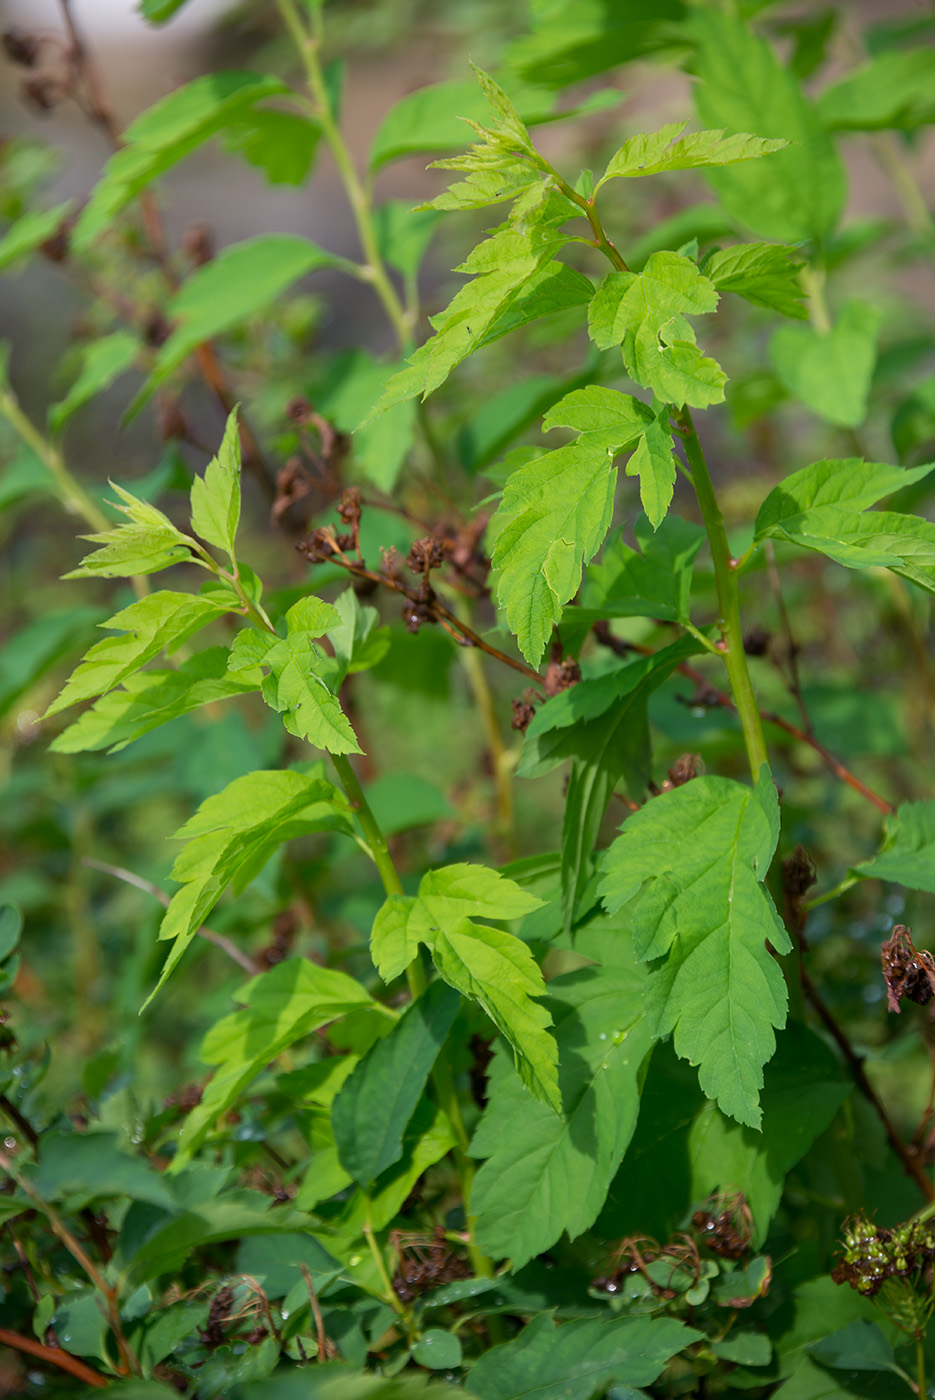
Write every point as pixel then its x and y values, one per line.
pixel 907 856
pixel 499 972
pixel 148 544
pixel 645 313
pixel 742 85
pixel 152 698
pixel 278 1008
pixel 158 11
pixel 762 273
pixel 165 134
pixel 546 1174
pixel 24 236
pixel 569 43
pixel 649 154
pixel 215 497
pixel 830 373
pixel 158 621
pixel 702 852
pixel 102 362
pixel 556 510
pixel 434 118
pixel 492 967
pixel 240 282
pixel 579 1359
pixel 896 89
pixel 847 483
pixel 359 641
pixel 654 463
pixel 403 233
pixel 373 1109
pixel 231 837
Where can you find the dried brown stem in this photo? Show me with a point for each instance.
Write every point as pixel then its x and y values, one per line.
pixel 218 939
pixel 54 1356
pixel 102 113
pixel 320 1333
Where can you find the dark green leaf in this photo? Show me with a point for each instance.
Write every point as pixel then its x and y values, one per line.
pixel 654 582
pixel 93 1165
pixel 568 44
pixel 33 649
pixel 546 1174
pixel 370 1114
pixel 860 1346
pixel 579 1359
pixel 281 144
pixel 703 920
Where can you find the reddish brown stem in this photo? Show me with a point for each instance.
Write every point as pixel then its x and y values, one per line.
pixel 54 1356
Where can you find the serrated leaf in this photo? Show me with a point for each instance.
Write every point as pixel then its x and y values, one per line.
pixel 240 282
pixel 25 234
pixel 556 510
pixel 159 621
pixel 102 362
pixel 148 544
pixel 166 133
pixel 907 856
pixel 645 312
pixel 375 1104
pixel 579 1359
pixel 152 698
pixel 297 685
pixel 654 463
pixel 215 497
pixel 281 144
pixel 742 85
pixel 492 967
pixel 650 153
pixel 278 1008
pixel 830 373
pixel 762 273
pixel 896 89
pixel 702 852
pixel 547 1174
pixel 231 837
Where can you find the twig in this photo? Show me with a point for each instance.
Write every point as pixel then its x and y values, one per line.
pixel 81 1257
pixel 316 1313
pixel 54 1356
pixel 14 1115
pixel 102 113
pixel 218 939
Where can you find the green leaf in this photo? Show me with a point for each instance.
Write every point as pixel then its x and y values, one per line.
pixel 502 265
pixel 298 683
pixel 165 134
pixel 94 1166
pixel 823 507
pixel 372 1110
pixel 547 1174
pixel 860 1346
pixel 645 313
pixel 31 229
pixel 102 362
pixel 703 920
pixel 359 641
pixel 649 154
pixel 353 383
pixel 152 698
pixel 158 11
pixel 486 964
pixel 578 1359
pixel 568 44
pixel 742 85
pixel 281 144
pixel 159 621
pixel 240 282
pixel 403 233
pixel 896 89
pixel 434 119
pixel 830 372
pixel 907 856
pixel 762 273
pixel 556 510
pixel 438 1350
pixel 279 1008
pixel 32 650
pixel 149 543
pixel 231 837
pixel 338 1380
pixel 652 582
pixel 215 497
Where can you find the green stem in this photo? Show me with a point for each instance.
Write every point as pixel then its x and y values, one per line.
pixel 731 646
pixel 71 493
pixel 374 269
pixel 920 1366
